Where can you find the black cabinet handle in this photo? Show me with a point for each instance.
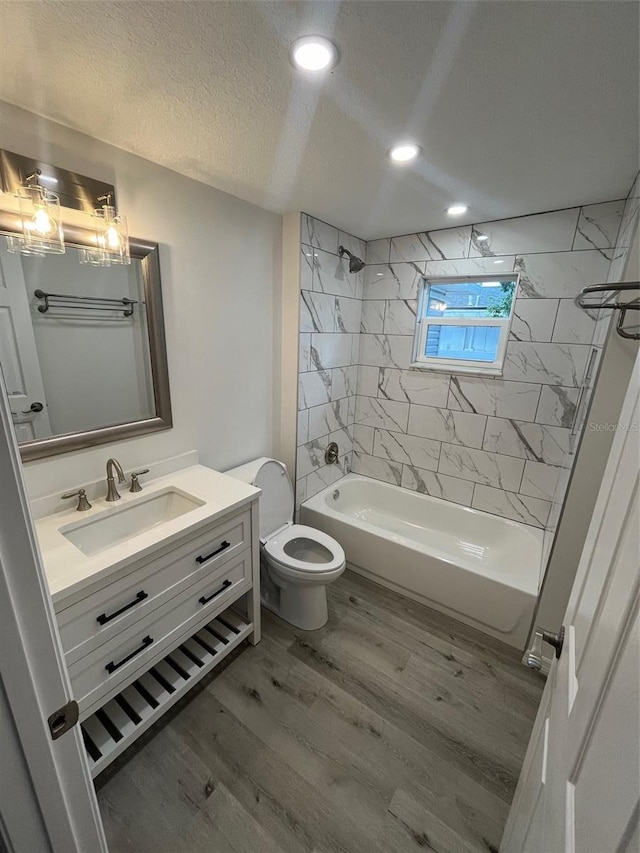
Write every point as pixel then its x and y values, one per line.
pixel 222 547
pixel 103 618
pixel 208 598
pixel 111 667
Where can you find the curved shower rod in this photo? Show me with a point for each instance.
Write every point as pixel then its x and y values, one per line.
pixel 612 302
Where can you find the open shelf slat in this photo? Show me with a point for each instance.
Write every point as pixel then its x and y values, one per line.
pixel 153 693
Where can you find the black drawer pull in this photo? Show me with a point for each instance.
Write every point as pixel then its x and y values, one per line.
pixel 206 599
pixel 223 547
pixel 103 618
pixel 111 667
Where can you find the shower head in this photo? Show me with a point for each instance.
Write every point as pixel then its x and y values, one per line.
pixel 355 264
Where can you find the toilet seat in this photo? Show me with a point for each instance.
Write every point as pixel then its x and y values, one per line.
pixel 275 548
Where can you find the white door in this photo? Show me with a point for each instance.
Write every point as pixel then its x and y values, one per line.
pixel 47 801
pixel 579 790
pixel 18 353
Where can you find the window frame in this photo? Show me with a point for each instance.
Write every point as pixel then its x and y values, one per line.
pixel 455 365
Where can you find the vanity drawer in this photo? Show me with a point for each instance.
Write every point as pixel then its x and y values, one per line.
pixel 138 647
pixel 107 612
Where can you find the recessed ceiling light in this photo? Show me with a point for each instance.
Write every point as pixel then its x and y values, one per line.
pixel 482 237
pixel 404 153
pixel 457 209
pixel 314 53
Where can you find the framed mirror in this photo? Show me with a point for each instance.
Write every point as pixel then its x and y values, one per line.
pixel 82 347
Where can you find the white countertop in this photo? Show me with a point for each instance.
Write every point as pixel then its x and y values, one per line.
pixel 69 571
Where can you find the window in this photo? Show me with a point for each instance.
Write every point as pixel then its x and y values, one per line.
pixel 462 323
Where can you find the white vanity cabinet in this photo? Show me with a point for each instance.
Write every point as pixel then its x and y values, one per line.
pixel 140 632
pixel 106 613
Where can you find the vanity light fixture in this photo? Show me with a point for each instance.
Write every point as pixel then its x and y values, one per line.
pixel 39 229
pixel 404 153
pixel 112 237
pixel 40 218
pixel 314 53
pixel 457 209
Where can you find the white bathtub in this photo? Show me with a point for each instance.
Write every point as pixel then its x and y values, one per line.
pixel 477 567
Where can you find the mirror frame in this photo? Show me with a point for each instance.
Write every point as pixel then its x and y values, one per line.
pixel 147 253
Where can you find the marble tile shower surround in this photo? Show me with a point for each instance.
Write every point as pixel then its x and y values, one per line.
pixel 497 444
pixel 330 316
pixel 628 226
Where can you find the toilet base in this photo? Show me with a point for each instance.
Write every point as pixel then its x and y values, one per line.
pixel 303 608
pixel 301 605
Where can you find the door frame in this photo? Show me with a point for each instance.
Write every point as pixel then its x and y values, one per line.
pixel 51 792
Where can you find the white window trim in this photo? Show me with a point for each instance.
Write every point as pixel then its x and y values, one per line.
pixel 453 365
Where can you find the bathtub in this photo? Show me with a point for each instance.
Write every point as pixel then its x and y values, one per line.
pixel 479 568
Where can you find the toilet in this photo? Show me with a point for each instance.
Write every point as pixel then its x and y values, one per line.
pixel 297 562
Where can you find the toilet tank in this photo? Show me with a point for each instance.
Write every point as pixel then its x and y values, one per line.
pixel 276 500
pixel 249 471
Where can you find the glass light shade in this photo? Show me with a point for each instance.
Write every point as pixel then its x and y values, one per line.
pixel 93 257
pixel 41 221
pixel 112 236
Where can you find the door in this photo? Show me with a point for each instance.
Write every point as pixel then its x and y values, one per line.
pixel 579 790
pixel 47 801
pixel 18 353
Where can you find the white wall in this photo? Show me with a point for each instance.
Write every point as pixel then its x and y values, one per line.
pixel 220 261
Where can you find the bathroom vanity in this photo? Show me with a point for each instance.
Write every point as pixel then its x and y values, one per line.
pixel 150 593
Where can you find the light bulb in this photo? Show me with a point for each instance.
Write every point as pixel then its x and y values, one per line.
pixel 42 223
pixel 314 53
pixel 457 209
pixel 114 240
pixel 112 237
pixel 404 153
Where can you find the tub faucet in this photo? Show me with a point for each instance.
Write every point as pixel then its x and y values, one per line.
pixel 112 492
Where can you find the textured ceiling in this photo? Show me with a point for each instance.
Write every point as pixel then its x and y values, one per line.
pixel 519 106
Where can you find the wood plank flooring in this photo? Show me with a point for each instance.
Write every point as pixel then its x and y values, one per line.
pixel 392 729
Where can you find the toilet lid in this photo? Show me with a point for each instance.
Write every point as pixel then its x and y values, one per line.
pixel 276 500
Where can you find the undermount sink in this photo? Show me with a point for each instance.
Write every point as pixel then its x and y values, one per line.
pixel 119 524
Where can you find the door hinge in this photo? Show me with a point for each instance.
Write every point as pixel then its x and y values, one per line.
pixel 63 719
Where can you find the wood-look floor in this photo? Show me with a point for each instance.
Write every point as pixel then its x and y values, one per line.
pixel 391 729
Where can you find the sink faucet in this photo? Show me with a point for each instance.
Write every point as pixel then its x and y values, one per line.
pixel 112 492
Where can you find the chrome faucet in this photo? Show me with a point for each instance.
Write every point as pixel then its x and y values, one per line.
pixel 112 492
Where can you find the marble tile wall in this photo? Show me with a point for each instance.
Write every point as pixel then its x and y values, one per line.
pixel 499 445
pixel 330 315
pixel 618 255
